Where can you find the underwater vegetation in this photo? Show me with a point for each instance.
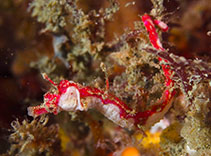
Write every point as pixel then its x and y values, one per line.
pixel 108 78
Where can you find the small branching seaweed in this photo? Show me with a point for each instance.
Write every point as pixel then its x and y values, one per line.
pixel 34 138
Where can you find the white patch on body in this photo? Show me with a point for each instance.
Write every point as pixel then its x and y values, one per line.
pixel 163 25
pixel 70 100
pixel 160 126
pixel 112 112
pixel 159 43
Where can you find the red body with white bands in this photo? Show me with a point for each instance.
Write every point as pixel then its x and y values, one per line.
pixel 71 96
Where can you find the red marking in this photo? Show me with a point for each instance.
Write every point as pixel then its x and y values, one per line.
pixel 107 84
pixel 45 76
pixel 37 111
pixel 153 36
pixel 155 41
